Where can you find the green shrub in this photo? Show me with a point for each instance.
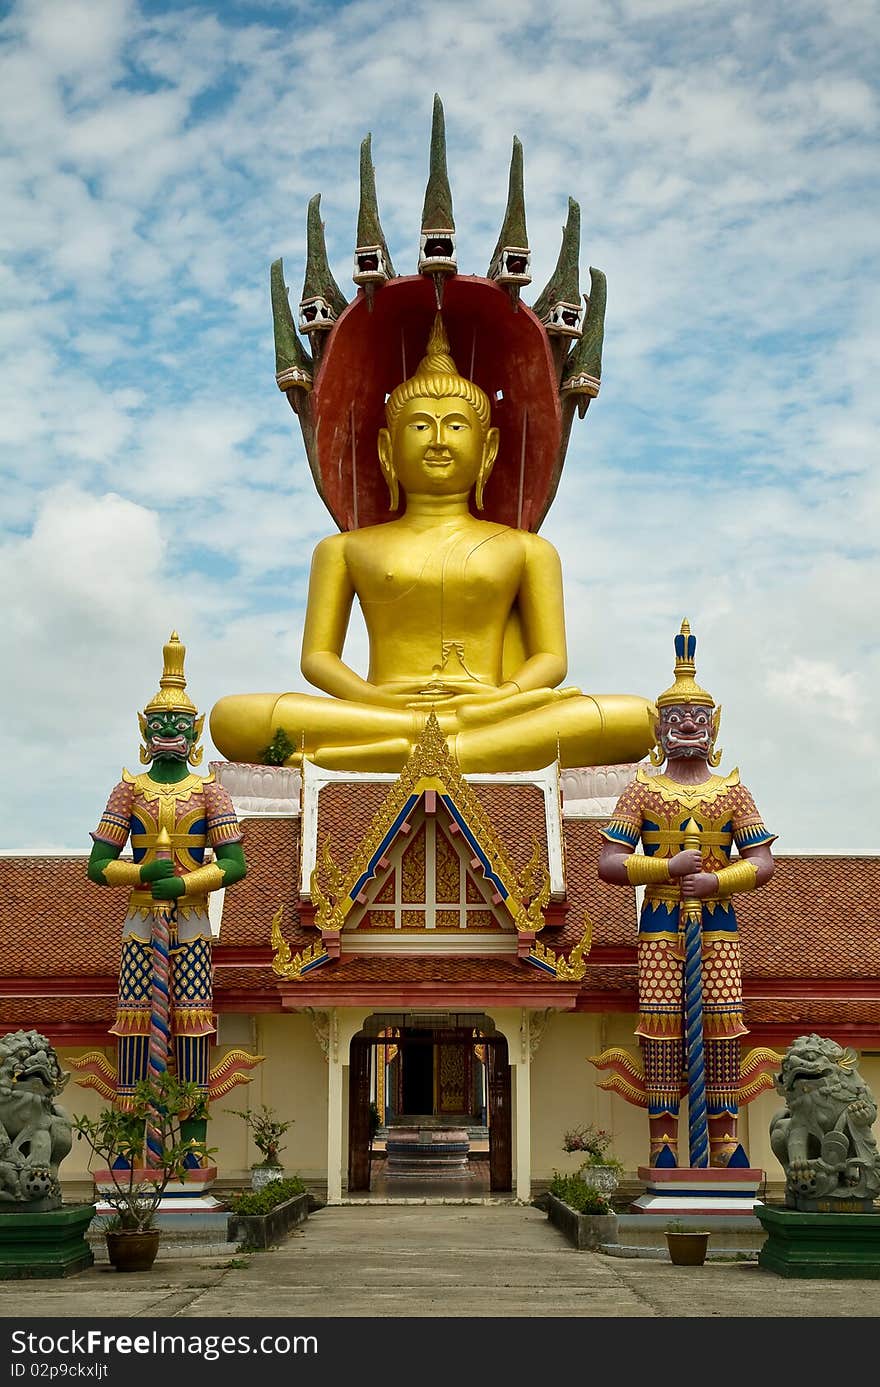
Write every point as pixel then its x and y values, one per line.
pixel 265 1200
pixel 278 750
pixel 574 1191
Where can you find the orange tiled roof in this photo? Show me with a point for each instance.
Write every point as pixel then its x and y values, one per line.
pixel 816 918
pixel 54 921
pixel 811 1013
pixel 272 850
pixel 610 908
pixel 517 815
pixel 442 968
pixel 26 1013
pixel 814 925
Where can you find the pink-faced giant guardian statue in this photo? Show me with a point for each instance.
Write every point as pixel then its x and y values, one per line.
pixel 690 1021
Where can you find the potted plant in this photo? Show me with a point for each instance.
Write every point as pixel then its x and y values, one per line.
pixel 132 1187
pixel 266 1130
pixel 598 1167
pixel 687 1246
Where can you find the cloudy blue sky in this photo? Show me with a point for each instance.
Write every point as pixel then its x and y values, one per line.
pixel 155 157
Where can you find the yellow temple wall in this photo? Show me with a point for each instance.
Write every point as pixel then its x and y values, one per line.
pixel 293 1080
pixel 565 1093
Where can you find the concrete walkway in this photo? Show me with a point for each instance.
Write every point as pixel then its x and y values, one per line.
pixel 432 1260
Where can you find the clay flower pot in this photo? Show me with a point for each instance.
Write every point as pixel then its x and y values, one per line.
pixel 687 1249
pixel 133 1249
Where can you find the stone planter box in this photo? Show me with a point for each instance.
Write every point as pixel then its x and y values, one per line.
pixel 264 1230
pixel 586 1232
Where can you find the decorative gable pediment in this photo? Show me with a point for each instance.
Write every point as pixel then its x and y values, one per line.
pixel 430 864
pixel 430 880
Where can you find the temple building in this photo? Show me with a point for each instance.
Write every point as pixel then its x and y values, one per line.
pixel 439 946
pixel 394 880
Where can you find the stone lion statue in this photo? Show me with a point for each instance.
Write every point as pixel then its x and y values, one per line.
pixel 823 1137
pixel 35 1133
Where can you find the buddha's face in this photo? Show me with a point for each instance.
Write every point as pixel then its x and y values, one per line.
pixel 437 448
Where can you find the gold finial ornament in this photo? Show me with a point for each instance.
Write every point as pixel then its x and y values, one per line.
pixel 172 696
pixel 685 689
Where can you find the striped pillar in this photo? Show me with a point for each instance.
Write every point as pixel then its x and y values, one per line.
pixel 692 921
pixel 160 1004
pixel 160 1021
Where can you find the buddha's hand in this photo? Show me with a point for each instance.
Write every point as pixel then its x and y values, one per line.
pixel 474 710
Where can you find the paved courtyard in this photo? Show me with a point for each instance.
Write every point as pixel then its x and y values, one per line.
pixel 501 1260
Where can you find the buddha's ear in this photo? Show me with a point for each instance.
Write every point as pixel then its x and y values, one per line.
pixel 387 465
pixel 490 453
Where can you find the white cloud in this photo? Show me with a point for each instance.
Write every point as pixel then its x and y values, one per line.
pixel 157 158
pixel 819 688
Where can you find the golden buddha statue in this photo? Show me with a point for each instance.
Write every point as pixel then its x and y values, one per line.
pixel 464 617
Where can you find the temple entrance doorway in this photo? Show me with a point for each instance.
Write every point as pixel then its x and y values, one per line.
pixel 429 1106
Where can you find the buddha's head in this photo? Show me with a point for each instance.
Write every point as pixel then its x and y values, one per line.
pixel 170 724
pixel 438 441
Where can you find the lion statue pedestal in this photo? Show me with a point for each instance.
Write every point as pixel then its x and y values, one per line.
pixel 830 1225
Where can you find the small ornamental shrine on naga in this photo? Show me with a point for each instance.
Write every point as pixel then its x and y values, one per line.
pixel 443 910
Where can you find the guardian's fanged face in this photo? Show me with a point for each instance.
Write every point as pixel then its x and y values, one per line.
pixel 169 735
pixel 686 731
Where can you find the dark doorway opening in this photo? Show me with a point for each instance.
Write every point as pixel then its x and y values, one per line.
pixel 417 1073
pixel 445 1077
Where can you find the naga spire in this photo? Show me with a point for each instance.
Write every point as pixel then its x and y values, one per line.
pixel 322 299
pixel 437 242
pixel 582 373
pixel 372 263
pixel 293 365
pixel 511 257
pixel 559 306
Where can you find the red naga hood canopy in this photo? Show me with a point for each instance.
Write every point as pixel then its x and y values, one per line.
pixel 537 365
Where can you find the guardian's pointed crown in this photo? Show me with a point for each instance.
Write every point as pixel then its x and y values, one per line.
pixel 685 688
pixel 172 696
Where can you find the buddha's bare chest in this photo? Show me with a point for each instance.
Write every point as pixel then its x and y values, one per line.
pixel 468 571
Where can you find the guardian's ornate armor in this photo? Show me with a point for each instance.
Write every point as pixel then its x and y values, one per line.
pixel 175 821
pixel 687 821
pixel 653 811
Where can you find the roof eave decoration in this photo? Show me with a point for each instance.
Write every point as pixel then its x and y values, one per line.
pixel 432 766
pixel 294 966
pixel 94 1070
pixel 564 969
